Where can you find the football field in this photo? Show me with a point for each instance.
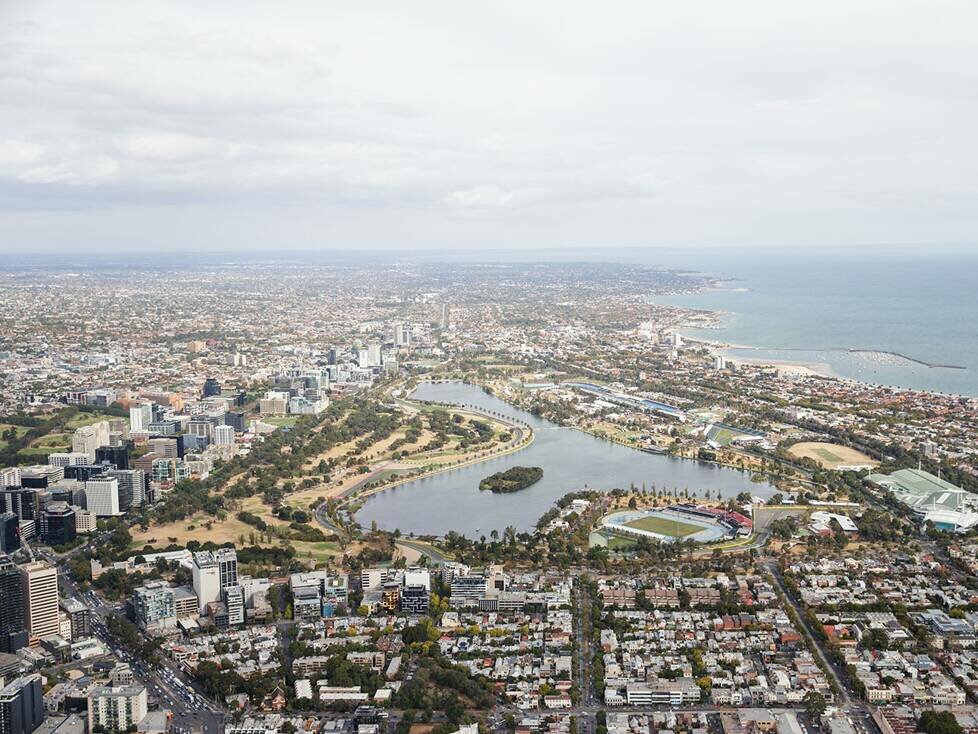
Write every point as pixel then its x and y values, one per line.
pixel 664 526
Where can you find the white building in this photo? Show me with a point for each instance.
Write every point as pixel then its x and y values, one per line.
pixel 224 436
pixel 40 590
pixel 102 497
pixel 68 459
pixel 116 708
pixel 140 416
pixel 88 438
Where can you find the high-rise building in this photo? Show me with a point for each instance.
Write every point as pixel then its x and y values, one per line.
pixel 140 416
pixel 236 420
pixel 102 496
pixel 57 523
pixel 80 617
pixel 13 633
pixel 9 532
pixel 40 594
pixel 235 603
pixel 211 387
pixel 10 477
pixel 21 705
pixel 224 436
pixel 24 502
pixel 88 438
pixel 402 335
pixel 132 487
pixel 212 573
pixel 153 605
pixel 68 458
pixel 116 708
pixel 117 456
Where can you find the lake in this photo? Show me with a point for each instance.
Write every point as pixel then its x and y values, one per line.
pixel 571 460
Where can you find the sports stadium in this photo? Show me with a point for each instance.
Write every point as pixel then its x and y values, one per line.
pixel 676 522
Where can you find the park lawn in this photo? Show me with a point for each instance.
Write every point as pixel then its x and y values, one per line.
pixel 617 543
pixel 281 420
pixel 53 441
pixel 86 419
pixel 18 431
pixel 664 526
pixel 317 552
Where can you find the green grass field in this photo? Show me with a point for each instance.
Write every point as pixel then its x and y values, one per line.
pixel 281 420
pixel 662 526
pixel 829 456
pixel 18 430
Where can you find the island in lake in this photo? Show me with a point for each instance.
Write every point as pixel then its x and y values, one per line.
pixel 513 479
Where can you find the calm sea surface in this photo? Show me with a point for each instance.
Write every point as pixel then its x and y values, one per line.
pixel 812 307
pixel 571 460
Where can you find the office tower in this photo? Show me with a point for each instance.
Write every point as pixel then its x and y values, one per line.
pixel 236 420
pixel 24 502
pixel 211 387
pixel 116 708
pixel 9 532
pixel 67 459
pixel 13 635
pixel 40 476
pixel 132 487
pixel 234 600
pixel 166 448
pixel 207 580
pixel 117 456
pixel 402 335
pixel 102 497
pixel 227 562
pixel 57 525
pixel 203 428
pixel 373 354
pixel 140 416
pixel 88 438
pixel 80 617
pixel 223 436
pixel 21 705
pixel 153 605
pixel 212 573
pixel 331 356
pixel 40 593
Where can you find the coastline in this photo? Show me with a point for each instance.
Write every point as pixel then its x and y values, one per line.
pixel 796 368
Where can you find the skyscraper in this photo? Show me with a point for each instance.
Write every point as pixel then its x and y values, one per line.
pixel 13 634
pixel 40 590
pixel 211 387
pixel 132 484
pixel 9 535
pixel 117 456
pixel 88 438
pixel 140 416
pixel 102 496
pixel 21 705
pixel 212 573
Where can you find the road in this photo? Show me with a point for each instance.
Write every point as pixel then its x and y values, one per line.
pixel 174 690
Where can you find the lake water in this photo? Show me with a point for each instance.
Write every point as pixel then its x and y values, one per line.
pixel 571 460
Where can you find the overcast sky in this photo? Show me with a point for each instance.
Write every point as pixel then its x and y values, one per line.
pixel 213 125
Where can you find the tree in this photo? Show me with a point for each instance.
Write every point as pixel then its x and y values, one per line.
pixel 814 703
pixel 939 722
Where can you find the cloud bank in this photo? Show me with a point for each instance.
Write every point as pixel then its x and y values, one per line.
pixel 178 125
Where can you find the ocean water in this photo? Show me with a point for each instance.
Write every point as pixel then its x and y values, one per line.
pixel 814 306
